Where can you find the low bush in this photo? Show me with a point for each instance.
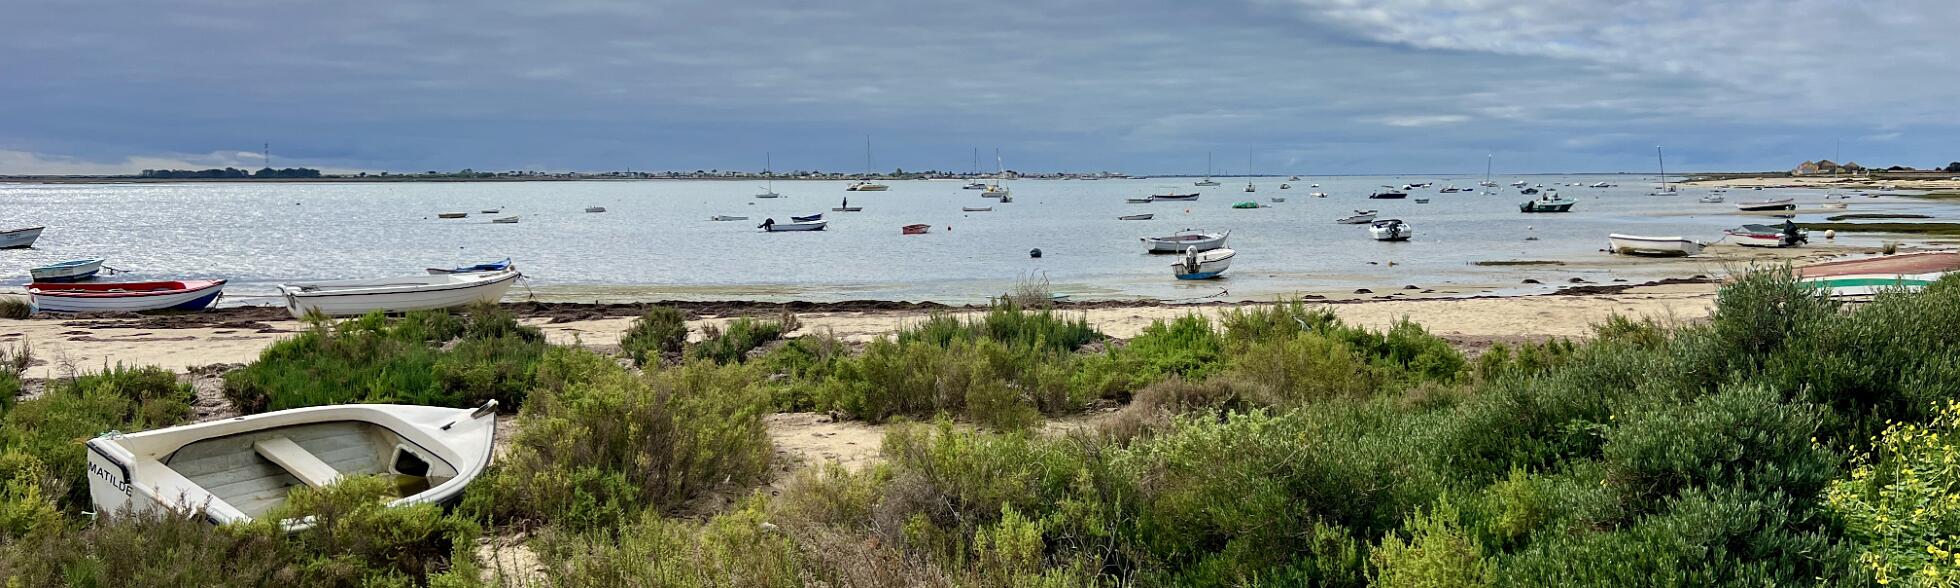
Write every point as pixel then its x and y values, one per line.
pixel 661 330
pixel 799 367
pixel 981 379
pixel 15 308
pixel 1010 324
pixel 1900 503
pixel 1187 347
pixel 733 343
pixel 428 357
pixel 51 427
pixel 735 548
pixel 600 445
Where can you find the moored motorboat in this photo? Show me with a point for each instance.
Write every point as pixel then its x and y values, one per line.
pixel 770 225
pixel 238 469
pixel 19 238
pixel 1388 195
pixel 491 210
pixel 914 229
pixel 1550 202
pixel 1286 186
pixel 1246 204
pixel 1422 201
pixel 1710 199
pixel 867 186
pixel 595 209
pixel 974 186
pixel 976 209
pixel 396 294
pixel 1144 200
pixel 1760 205
pixel 490 266
pixel 1785 235
pixel 1136 217
pixel 1656 246
pixel 124 296
pixel 726 218
pixel 1180 242
pixel 452 215
pixel 1277 199
pixel 807 219
pixel 74 270
pixel 1360 217
pixel 1202 265
pixel 508 220
pixel 1869 276
pixel 1174 197
pixel 1390 229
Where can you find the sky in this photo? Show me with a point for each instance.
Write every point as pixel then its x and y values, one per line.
pixel 1141 86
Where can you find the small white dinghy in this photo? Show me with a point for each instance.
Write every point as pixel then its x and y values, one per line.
pixel 1391 229
pixel 1360 217
pixel 1202 265
pixel 242 468
pixel 401 294
pixel 1185 241
pixel 1656 246
pixel 770 225
pixel 19 238
pixel 74 270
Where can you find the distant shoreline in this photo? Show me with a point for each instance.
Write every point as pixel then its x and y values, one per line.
pixel 583 177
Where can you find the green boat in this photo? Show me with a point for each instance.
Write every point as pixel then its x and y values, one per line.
pixel 1553 205
pixel 1246 204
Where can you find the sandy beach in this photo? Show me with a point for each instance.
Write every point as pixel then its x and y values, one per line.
pixel 1850 183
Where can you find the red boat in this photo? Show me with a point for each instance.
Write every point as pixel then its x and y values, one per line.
pixel 125 296
pixel 914 229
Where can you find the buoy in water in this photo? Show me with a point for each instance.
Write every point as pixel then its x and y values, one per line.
pixel 1830 233
pixel 1035 253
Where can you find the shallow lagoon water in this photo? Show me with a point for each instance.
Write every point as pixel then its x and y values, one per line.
pixel 655 240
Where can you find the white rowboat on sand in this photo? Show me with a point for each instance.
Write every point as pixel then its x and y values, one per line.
pixel 238 469
pixel 1656 246
pixel 399 294
pixel 1182 242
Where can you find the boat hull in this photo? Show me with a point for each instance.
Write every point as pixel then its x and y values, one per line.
pixel 219 467
pixel 1173 197
pixel 1546 206
pixel 1136 217
pixel 1182 243
pixel 394 295
pixel 67 271
pixel 796 227
pixel 1203 265
pixel 1653 246
pixel 1785 204
pixel 1870 276
pixel 126 297
pixel 20 238
pixel 1399 232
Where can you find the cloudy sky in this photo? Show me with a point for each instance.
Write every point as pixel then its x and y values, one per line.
pixel 1146 86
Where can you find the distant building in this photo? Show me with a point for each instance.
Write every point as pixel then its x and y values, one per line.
pixel 1826 167
pixel 1805 168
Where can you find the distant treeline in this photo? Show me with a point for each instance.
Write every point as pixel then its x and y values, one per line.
pixel 231 172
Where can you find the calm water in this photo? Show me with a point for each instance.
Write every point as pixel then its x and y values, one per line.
pixel 656 242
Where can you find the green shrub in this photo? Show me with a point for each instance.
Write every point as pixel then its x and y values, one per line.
pixel 52 427
pixel 356 535
pixel 28 491
pixel 1008 323
pixel 1739 438
pixel 15 308
pixel 734 548
pixel 1902 503
pixel 598 445
pixel 1186 347
pixel 1283 320
pixel 661 330
pixel 799 367
pixel 1303 368
pixel 981 379
pixel 1437 554
pixel 733 343
pixel 428 357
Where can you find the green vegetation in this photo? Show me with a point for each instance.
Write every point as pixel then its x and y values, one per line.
pixel 1936 195
pixel 1786 440
pixel 1874 216
pixel 662 330
pixel 15 308
pixel 733 343
pixel 429 357
pixel 1938 229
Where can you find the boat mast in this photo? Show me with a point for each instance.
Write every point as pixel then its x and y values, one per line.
pixel 1663 161
pixel 768 173
pixel 1207 166
pixel 867 157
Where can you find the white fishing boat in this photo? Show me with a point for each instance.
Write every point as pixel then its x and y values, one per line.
pixel 1869 276
pixel 1180 242
pixel 770 225
pixel 1286 186
pixel 125 296
pixel 1202 265
pixel 1390 229
pixel 1761 205
pixel 74 270
pixel 1784 235
pixel 725 218
pixel 1710 199
pixel 1318 194
pixel 398 294
pixel 998 189
pixel 1360 217
pixel 1519 184
pixel 238 469
pixel 19 238
pixel 1656 246
pixel 1600 185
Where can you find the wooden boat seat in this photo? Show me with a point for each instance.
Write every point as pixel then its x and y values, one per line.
pixel 296 460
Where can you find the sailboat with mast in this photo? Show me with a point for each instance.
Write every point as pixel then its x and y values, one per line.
pixel 995 189
pixel 1207 181
pixel 1488 183
pixel 975 171
pixel 866 185
pixel 1248 171
pixel 769 177
pixel 1665 189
